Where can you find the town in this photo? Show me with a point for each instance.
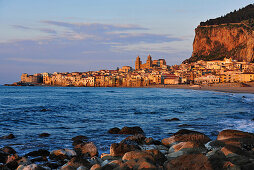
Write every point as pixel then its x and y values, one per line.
pixel 151 73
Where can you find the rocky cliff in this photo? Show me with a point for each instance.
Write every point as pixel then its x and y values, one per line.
pixel 216 42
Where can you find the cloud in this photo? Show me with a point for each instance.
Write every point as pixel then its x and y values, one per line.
pixel 21 27
pixel 49 31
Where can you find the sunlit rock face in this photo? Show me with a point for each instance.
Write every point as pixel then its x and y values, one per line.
pixel 219 41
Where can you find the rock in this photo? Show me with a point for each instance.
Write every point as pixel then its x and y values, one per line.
pixel 149 141
pixel 40 152
pixel 168 141
pixel 109 157
pixel 137 139
pixel 39 159
pixel 62 154
pixel 190 144
pixel 79 139
pixel 82 168
pixel 159 157
pixel 52 165
pixel 75 163
pixel 189 161
pixel 42 135
pixel 24 161
pixel 173 119
pixel 87 148
pixel 230 149
pixel 185 135
pixel 141 163
pixel 3 157
pixel 227 134
pixel 131 130
pixel 137 155
pixel 114 130
pixel 119 149
pixel 10 136
pixel 30 167
pixel 95 166
pixel 184 125
pixel 214 145
pixel 8 150
pixel 45 110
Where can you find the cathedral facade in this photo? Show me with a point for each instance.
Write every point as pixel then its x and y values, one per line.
pixel 149 63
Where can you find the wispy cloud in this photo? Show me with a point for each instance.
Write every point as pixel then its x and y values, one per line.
pixel 21 27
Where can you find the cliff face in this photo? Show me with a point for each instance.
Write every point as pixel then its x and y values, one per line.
pixel 218 42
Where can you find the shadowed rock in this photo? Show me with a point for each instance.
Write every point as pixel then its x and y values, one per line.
pixel 119 149
pixel 43 135
pixel 10 136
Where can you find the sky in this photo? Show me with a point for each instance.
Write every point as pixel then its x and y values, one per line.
pixel 84 35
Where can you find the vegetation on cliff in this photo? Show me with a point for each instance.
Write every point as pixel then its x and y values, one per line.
pixel 243 14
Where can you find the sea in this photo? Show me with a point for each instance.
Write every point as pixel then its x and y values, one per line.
pixel 66 112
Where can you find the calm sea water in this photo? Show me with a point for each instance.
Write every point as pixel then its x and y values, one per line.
pixel 73 111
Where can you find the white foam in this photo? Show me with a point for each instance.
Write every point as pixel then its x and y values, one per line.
pixel 243 125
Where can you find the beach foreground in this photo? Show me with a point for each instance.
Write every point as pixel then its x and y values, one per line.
pixel 185 149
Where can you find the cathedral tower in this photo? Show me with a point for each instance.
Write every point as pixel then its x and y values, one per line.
pixel 137 63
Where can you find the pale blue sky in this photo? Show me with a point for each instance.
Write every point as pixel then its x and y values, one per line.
pixel 81 35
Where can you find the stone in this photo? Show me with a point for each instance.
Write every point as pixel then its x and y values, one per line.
pixel 159 157
pixel 114 130
pixel 137 139
pixel 43 135
pixel 168 141
pixel 230 149
pixel 109 157
pixel 40 152
pixel 10 136
pixel 39 159
pixel 79 137
pixel 87 148
pixel 227 134
pixel 30 167
pixel 137 155
pixel 190 161
pixel 95 167
pixel 3 157
pixel 8 150
pixel 119 149
pixel 149 141
pixel 76 162
pixel 185 135
pixel 131 130
pixel 173 119
pixel 190 144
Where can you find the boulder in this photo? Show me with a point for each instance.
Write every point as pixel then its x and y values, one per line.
pixel 30 167
pixel 114 130
pixel 87 148
pixel 40 152
pixel 95 166
pixel 79 139
pixel 131 130
pixel 137 155
pixel 141 163
pixel 185 135
pixel 189 161
pixel 119 149
pixel 137 139
pixel 8 150
pixel 75 163
pixel 190 144
pixel 227 134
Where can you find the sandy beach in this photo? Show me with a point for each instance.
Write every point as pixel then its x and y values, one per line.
pixel 226 87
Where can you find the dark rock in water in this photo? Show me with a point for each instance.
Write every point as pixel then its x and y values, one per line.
pixel 44 135
pixel 131 130
pixel 227 134
pixel 184 125
pixel 8 150
pixel 87 148
pixel 114 130
pixel 190 161
pixel 51 165
pixel 137 139
pixel 10 136
pixel 40 152
pixel 252 119
pixel 119 149
pixel 173 119
pixel 79 137
pixel 45 110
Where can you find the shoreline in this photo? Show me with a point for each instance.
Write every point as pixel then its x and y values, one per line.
pixel 226 88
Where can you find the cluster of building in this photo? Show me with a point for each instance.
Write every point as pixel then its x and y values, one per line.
pixel 153 72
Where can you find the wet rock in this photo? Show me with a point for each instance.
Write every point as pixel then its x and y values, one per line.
pixel 137 139
pixel 3 157
pixel 95 167
pixel 80 137
pixel 192 161
pixel 30 167
pixel 230 149
pixel 131 130
pixel 62 154
pixel 39 159
pixel 149 141
pixel 87 148
pixel 109 157
pixel 52 165
pixel 159 157
pixel 45 110
pixel 10 136
pixel 190 144
pixel 40 152
pixel 171 120
pixel 227 134
pixel 185 135
pixel 137 155
pixel 24 161
pixel 141 163
pixel 119 149
pixel 11 162
pixel 168 141
pixel 8 150
pixel 214 145
pixel 43 135
pixel 75 163
pixel 114 130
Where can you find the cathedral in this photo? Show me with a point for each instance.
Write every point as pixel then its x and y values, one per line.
pixel 149 63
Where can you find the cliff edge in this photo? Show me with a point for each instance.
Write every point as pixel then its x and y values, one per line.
pixel 225 36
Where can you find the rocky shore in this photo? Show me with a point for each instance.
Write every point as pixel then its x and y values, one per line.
pixel 185 149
